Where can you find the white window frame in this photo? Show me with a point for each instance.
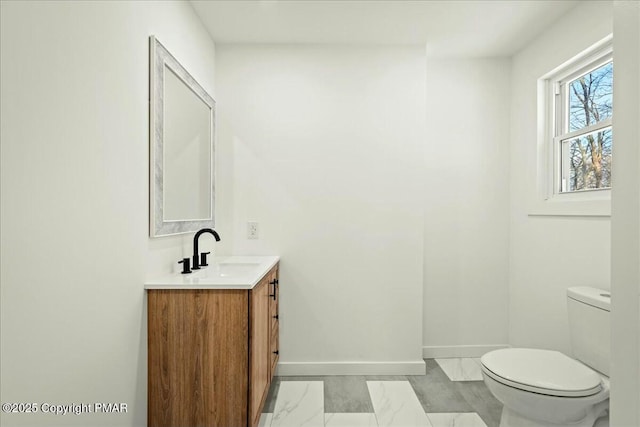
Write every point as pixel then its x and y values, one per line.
pixel 552 129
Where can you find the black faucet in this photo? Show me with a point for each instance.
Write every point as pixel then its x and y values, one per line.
pixel 201 259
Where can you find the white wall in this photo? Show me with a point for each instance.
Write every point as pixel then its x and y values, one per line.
pixel 75 251
pixel 625 219
pixel 326 145
pixel 309 139
pixel 467 207
pixel 549 254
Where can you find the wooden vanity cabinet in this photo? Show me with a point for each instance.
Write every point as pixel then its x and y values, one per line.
pixel 211 354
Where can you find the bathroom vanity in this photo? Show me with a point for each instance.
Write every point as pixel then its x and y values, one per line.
pixel 213 343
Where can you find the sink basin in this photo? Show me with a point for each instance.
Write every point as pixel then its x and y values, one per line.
pixel 229 269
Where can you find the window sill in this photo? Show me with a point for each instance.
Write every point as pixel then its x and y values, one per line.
pixel 588 204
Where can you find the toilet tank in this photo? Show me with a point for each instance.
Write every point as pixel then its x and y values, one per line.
pixel 590 326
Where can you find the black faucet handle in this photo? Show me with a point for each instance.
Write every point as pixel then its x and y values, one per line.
pixel 203 259
pixel 186 265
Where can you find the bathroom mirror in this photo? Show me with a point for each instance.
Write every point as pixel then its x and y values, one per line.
pixel 182 132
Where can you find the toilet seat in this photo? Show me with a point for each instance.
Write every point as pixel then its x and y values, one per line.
pixel 541 371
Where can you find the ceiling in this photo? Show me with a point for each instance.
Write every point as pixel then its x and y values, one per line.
pixel 448 28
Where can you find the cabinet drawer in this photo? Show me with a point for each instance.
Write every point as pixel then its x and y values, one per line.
pixel 275 348
pixel 274 291
pixel 274 316
pixel 274 299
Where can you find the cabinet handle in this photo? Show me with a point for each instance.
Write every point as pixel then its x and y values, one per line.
pixel 277 316
pixel 276 352
pixel 274 282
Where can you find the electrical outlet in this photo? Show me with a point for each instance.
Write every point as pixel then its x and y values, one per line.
pixel 252 230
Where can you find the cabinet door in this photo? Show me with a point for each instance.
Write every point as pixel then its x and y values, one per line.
pixel 197 369
pixel 259 325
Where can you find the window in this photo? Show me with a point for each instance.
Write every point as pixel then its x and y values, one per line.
pixel 575 138
pixel 582 128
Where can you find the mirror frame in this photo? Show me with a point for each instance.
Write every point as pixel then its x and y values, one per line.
pixel 158 225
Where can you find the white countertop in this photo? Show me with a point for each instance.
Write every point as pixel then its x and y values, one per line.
pixel 224 272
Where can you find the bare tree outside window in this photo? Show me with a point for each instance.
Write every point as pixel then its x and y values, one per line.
pixel 590 161
pixel 587 155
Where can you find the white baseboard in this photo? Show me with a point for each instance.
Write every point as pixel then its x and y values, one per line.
pixel 432 352
pixel 351 368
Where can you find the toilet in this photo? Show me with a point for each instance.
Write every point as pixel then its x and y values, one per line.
pixel 545 388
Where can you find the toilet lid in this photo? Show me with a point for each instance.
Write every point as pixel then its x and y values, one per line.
pixel 541 371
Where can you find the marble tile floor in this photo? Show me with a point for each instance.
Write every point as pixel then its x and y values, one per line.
pixel 461 369
pixel 449 395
